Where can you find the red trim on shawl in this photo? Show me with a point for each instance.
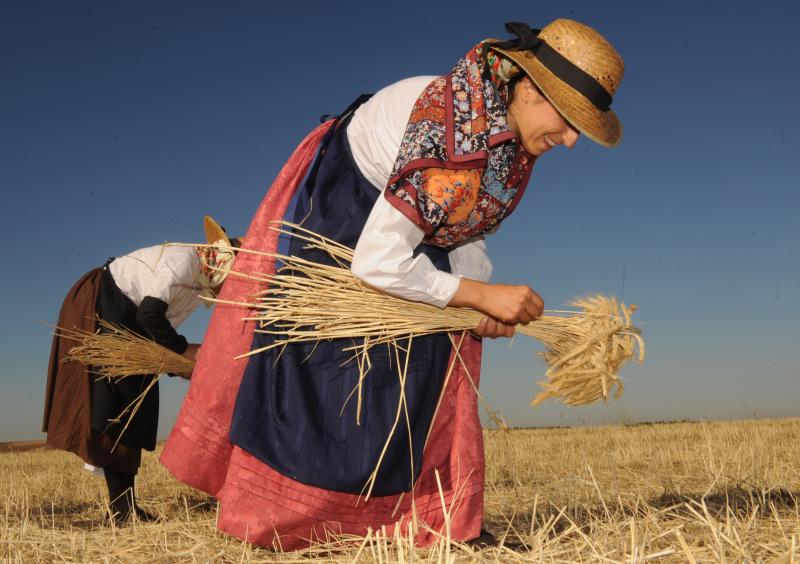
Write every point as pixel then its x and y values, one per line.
pixel 478 157
pixel 259 504
pixel 407 210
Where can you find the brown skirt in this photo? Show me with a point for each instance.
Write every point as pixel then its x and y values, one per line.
pixel 68 396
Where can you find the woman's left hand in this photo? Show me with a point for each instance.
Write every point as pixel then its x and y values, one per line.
pixel 191 351
pixel 493 328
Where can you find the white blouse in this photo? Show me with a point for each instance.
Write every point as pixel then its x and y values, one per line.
pixel 169 273
pixel 384 254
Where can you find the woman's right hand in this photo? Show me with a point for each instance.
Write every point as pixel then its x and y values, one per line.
pixel 504 303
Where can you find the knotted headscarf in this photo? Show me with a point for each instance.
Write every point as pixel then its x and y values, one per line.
pixel 215 264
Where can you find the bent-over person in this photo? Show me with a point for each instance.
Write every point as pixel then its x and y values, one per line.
pixel 150 291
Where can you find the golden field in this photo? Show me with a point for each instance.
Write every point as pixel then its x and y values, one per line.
pixel 676 492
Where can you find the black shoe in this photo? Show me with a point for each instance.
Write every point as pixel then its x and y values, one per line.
pixel 116 519
pixel 484 540
pixel 146 517
pixel 120 495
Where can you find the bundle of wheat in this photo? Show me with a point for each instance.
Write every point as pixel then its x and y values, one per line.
pixel 585 357
pixel 307 301
pixel 116 352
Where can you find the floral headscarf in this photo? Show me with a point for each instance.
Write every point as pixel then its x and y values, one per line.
pixel 215 264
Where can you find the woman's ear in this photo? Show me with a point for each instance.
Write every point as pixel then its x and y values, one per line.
pixel 534 95
pixel 528 92
pixel 521 94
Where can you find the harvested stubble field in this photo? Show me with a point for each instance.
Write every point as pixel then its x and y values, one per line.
pixel 677 492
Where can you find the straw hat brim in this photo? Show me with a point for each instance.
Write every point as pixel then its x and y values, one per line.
pixel 214 231
pixel 601 127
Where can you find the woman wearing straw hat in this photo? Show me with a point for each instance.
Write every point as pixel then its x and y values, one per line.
pixel 149 291
pixel 413 178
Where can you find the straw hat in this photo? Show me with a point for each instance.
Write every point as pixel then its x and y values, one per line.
pixel 576 69
pixel 216 258
pixel 214 231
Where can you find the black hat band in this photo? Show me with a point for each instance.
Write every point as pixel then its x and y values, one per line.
pixel 555 62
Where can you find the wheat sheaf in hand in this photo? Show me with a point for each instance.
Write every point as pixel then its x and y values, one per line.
pixel 306 301
pixel 116 352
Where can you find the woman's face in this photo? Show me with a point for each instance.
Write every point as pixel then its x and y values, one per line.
pixel 537 123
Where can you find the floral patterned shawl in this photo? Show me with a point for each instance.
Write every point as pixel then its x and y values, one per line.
pixel 460 170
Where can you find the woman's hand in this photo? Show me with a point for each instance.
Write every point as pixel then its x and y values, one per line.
pixel 191 354
pixel 504 304
pixel 492 328
pixel 191 351
pixel 511 304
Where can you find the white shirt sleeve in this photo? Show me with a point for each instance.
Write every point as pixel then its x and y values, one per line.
pixel 384 259
pixel 470 260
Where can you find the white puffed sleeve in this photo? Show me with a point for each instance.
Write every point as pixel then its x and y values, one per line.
pixel 470 260
pixel 384 259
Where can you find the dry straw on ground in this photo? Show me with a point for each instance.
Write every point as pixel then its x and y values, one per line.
pixel 307 301
pixel 667 493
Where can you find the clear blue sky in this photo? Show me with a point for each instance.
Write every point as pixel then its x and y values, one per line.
pixel 122 123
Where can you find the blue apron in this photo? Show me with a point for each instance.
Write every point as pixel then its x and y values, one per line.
pixel 292 410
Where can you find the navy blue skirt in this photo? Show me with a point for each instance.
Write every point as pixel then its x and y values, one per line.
pixel 292 410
